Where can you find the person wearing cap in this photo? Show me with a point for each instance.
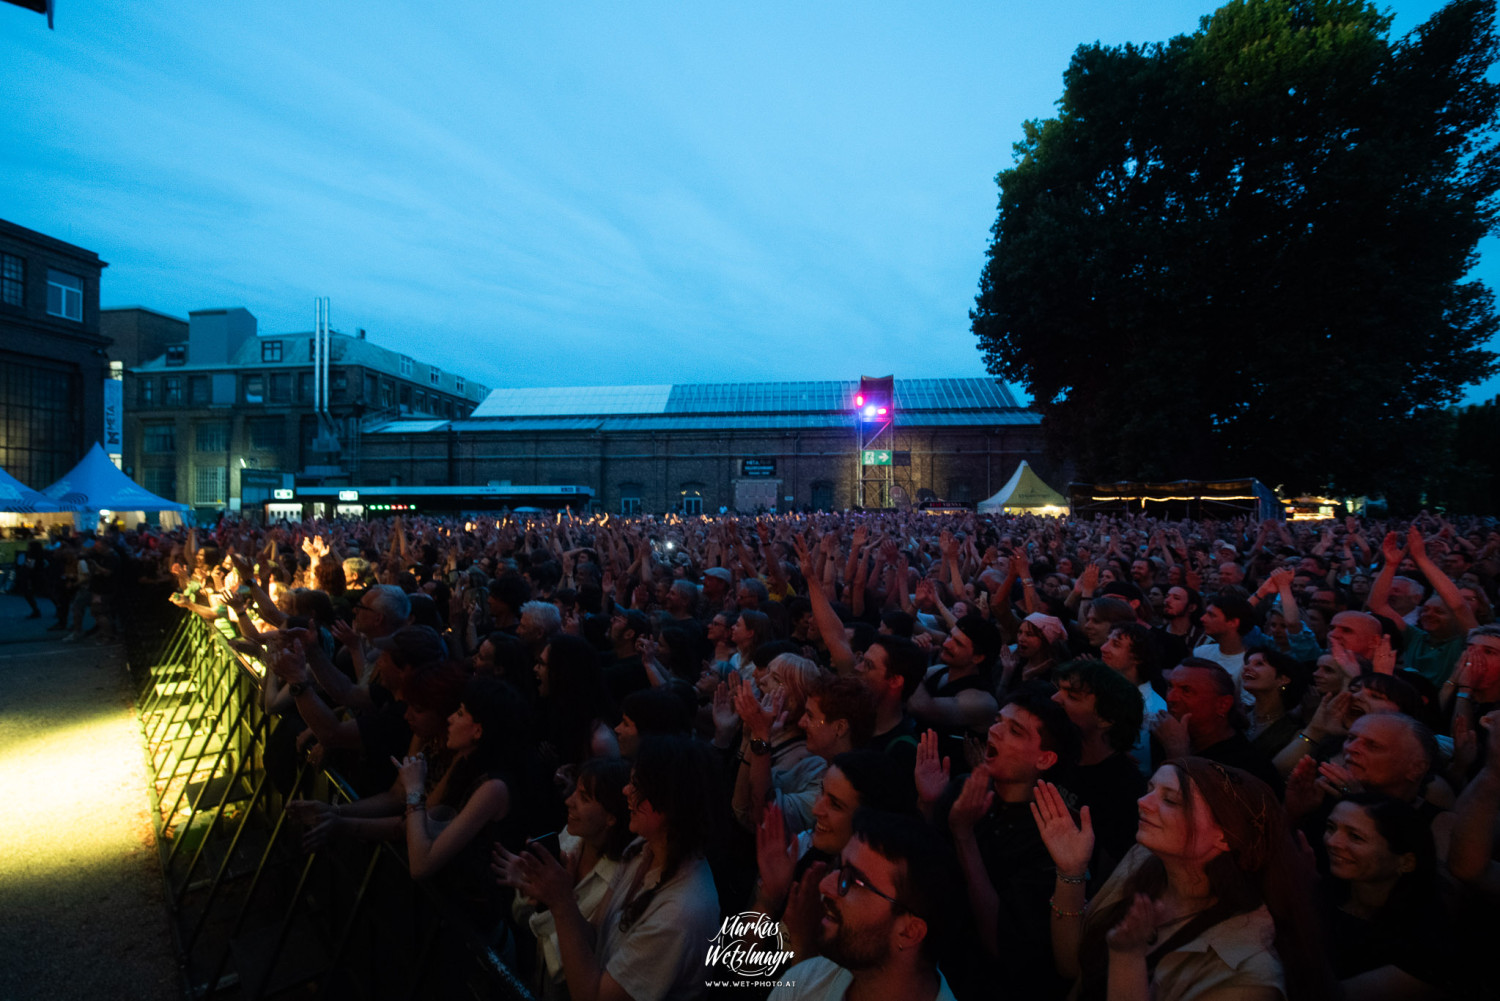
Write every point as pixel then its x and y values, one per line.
pixel 717 583
pixel 1041 644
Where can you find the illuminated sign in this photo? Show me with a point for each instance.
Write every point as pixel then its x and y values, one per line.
pixel 281 493
pixel 348 495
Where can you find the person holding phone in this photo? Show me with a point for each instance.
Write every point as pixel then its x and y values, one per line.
pixel 590 848
pixel 649 936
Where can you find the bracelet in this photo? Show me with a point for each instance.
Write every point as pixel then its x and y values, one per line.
pixel 1461 694
pixel 412 808
pixel 1058 912
pixel 1073 880
pixel 1027 582
pixel 1304 736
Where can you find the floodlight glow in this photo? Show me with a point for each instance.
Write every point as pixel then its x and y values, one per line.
pixel 869 411
pixel 859 400
pixel 881 411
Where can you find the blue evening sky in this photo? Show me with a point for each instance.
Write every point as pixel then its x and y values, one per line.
pixel 553 194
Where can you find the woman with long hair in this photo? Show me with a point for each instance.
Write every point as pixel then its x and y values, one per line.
pixel 592 844
pixel 650 936
pixel 1212 898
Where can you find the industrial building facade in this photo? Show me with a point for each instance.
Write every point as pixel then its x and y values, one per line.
pixel 219 414
pixel 53 361
pixel 699 448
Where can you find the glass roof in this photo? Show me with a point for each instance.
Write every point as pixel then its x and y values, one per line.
pixel 831 398
pixel 544 401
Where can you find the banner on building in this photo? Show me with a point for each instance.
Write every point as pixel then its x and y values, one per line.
pixel 114 419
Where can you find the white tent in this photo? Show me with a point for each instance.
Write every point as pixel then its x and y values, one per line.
pixel 17 497
pixel 95 484
pixel 1025 493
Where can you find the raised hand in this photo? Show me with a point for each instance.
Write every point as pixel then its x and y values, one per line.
pixel 1385 656
pixel 1390 548
pixel 1135 933
pixel 932 771
pixel 1173 734
pixel 1302 792
pixel 1336 780
pixel 775 855
pixel 1070 844
pixel 973 803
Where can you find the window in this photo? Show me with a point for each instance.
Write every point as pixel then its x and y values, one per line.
pixel 12 280
pixel 458 384
pixel 270 351
pixel 267 435
pixel 198 390
pixel 176 354
pixel 405 365
pixel 117 370
pixel 212 436
pixel 159 438
pixel 146 392
pixel 419 404
pixel 386 390
pixel 405 398
pixel 64 295
pixel 171 391
pixel 304 387
pixel 630 506
pixel 312 349
pixel 692 505
pixel 209 485
pixel 339 385
pixel 40 418
pixel 281 387
pixel 433 376
pixel 255 389
pixel 372 388
pixel 162 481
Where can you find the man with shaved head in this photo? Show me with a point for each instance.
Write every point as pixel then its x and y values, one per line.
pixel 1359 632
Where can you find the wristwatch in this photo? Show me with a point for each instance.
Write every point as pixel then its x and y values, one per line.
pixel 297 688
pixel 758 746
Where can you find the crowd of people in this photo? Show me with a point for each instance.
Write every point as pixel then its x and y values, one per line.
pixel 954 756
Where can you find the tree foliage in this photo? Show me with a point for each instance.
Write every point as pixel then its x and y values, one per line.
pixel 1244 251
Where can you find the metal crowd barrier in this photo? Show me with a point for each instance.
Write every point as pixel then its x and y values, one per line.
pixel 253 915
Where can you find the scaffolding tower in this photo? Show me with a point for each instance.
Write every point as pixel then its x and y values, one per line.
pixel 875 433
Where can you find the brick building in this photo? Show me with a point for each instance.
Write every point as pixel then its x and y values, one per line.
pixel 219 415
pixel 52 356
pixel 697 448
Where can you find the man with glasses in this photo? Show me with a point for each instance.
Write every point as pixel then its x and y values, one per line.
pixel 886 912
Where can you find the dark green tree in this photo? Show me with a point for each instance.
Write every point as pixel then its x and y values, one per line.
pixel 1244 251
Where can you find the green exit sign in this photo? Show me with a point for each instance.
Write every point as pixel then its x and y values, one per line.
pixel 876 457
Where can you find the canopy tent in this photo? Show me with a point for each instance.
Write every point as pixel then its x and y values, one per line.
pixel 1025 493
pixel 18 498
pixel 95 484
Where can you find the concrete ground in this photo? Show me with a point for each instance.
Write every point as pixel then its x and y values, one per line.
pixel 82 913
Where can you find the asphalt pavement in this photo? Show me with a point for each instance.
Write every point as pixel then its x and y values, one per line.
pixel 82 911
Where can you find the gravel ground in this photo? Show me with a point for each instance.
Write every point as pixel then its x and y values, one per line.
pixel 82 913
